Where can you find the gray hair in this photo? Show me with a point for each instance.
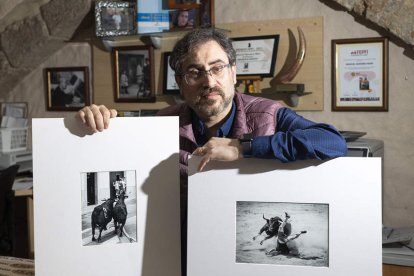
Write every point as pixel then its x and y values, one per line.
pixel 185 46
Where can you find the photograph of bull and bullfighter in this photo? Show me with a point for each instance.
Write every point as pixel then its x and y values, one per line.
pixel 109 207
pixel 282 233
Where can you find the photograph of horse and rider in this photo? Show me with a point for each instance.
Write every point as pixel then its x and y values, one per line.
pixel 109 207
pixel 282 233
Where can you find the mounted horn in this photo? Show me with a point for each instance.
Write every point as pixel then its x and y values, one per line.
pixel 300 57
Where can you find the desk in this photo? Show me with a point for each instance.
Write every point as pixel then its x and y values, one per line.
pixel 397 270
pixel 28 194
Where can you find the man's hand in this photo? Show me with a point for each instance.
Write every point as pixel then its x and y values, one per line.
pixel 96 117
pixel 221 149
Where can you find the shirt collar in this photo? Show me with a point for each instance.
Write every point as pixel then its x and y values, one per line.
pixel 200 129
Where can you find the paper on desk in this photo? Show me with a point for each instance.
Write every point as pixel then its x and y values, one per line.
pixel 23 184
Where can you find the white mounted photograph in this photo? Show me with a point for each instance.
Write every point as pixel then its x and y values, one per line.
pixel 106 203
pixel 282 233
pixel 109 207
pixel 262 217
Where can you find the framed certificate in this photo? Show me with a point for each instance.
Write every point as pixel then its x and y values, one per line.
pixel 360 74
pixel 256 56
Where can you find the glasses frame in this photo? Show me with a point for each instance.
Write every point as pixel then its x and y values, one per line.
pixel 205 72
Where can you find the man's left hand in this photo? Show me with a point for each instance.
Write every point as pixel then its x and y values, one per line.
pixel 220 149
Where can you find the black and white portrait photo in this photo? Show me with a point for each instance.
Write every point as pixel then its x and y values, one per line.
pixel 67 88
pixel 134 74
pixel 109 207
pixel 282 233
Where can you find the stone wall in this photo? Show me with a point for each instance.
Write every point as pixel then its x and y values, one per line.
pixel 395 17
pixel 31 31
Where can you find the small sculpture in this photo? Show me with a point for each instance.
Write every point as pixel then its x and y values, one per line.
pixel 300 57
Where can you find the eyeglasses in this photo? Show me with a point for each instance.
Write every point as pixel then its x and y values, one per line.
pixel 195 76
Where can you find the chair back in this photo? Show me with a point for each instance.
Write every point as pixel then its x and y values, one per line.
pixel 7 177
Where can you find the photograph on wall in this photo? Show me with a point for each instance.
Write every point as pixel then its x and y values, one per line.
pixel 134 74
pixel 170 85
pixel 67 88
pixel 206 16
pixel 114 18
pixel 109 207
pixel 282 233
pixel 183 19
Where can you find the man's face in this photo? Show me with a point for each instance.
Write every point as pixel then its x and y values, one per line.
pixel 210 96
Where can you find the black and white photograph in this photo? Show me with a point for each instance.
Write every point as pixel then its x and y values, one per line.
pixel 170 85
pixel 109 208
pixel 67 88
pixel 115 18
pixel 134 74
pixel 282 233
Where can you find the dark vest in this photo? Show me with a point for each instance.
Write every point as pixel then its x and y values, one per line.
pixel 253 115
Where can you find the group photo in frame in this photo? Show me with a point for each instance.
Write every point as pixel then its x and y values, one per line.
pixel 115 18
pixel 170 86
pixel 67 88
pixel 134 74
pixel 360 74
pixel 256 56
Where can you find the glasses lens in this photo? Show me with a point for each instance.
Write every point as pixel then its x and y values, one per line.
pixel 195 76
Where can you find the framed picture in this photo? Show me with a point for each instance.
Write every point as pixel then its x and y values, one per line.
pixel 170 86
pixel 144 189
pixel 256 56
pixel 134 74
pixel 206 13
pixel 114 18
pixel 183 19
pixel 67 88
pixel 297 226
pixel 360 74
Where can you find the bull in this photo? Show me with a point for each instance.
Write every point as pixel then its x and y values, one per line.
pixel 120 214
pixel 271 228
pixel 101 216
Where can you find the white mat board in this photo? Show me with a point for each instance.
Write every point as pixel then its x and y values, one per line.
pixel 350 187
pixel 62 150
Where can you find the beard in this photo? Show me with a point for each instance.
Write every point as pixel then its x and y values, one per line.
pixel 206 107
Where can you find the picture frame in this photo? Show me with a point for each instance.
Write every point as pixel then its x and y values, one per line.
pixel 204 10
pixel 183 19
pixel 134 73
pixel 256 55
pixel 360 74
pixel 242 197
pixel 170 86
pixel 115 18
pixel 154 196
pixel 206 13
pixel 67 88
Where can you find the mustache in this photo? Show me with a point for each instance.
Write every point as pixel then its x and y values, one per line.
pixel 206 92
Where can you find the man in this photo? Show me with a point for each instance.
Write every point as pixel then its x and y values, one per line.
pixel 63 94
pixel 218 123
pixel 283 238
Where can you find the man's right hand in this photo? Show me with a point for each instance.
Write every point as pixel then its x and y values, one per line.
pixel 96 117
